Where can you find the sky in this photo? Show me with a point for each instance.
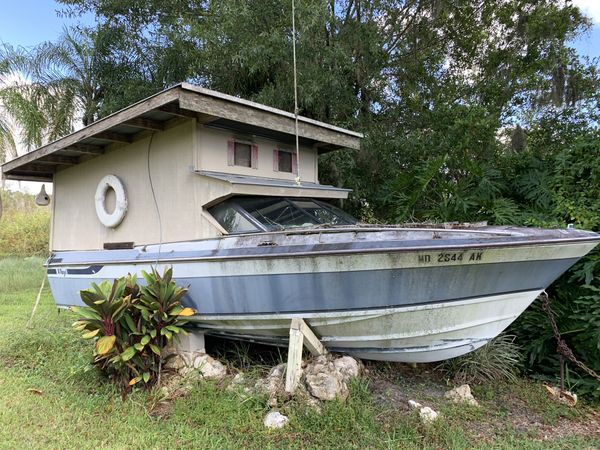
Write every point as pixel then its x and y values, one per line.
pixel 29 22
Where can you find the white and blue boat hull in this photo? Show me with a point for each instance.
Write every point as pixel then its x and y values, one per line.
pixel 412 295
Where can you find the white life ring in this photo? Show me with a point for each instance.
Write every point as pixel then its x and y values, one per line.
pixel 116 217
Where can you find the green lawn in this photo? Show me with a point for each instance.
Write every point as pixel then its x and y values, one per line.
pixel 50 397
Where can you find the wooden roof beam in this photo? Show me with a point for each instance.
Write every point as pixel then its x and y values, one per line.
pixel 28 177
pixel 59 160
pixel 86 149
pixel 145 124
pixel 177 111
pixel 73 141
pixel 111 136
pixel 33 169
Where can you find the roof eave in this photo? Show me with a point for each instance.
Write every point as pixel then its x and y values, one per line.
pixel 183 100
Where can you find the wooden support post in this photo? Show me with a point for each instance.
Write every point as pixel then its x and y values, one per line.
pixel 300 335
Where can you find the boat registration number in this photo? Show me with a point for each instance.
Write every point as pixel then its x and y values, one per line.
pixel 445 257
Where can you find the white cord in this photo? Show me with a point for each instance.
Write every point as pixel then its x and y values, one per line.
pixel 37 302
pixel 295 94
pixel 160 231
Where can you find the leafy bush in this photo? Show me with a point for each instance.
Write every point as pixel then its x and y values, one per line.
pixel 24 234
pixel 500 359
pixel 132 324
pixel 24 226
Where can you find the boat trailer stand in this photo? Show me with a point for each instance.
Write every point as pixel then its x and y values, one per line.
pixel 300 335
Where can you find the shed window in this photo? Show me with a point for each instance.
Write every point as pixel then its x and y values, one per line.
pixel 284 161
pixel 242 154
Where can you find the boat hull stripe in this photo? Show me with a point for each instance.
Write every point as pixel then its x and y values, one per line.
pixel 329 291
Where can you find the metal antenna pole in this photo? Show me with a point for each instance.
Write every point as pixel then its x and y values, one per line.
pixel 295 93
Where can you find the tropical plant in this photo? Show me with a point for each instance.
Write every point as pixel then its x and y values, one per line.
pixel 132 324
pixel 500 359
pixel 46 89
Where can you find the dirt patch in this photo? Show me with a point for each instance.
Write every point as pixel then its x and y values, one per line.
pixel 521 409
pixel 8 362
pixel 588 426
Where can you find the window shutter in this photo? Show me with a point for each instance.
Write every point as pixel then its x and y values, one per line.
pixel 231 152
pixel 295 163
pixel 275 160
pixel 254 157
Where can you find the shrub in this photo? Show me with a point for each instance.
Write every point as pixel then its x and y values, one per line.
pixel 24 227
pixel 24 234
pixel 500 359
pixel 132 324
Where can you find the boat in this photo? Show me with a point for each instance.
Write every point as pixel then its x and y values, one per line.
pixel 214 186
pixel 422 293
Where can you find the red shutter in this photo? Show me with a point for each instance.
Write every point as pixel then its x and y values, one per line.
pixel 231 152
pixel 295 163
pixel 275 160
pixel 254 157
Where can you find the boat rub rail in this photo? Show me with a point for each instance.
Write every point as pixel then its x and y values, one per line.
pixel 307 251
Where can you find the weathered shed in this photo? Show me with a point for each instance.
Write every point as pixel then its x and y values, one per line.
pixel 176 153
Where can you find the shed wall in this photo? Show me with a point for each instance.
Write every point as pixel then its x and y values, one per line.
pixel 212 155
pixel 180 194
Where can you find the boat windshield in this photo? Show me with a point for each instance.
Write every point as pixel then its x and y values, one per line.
pixel 255 214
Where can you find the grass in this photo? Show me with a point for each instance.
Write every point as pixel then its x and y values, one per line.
pixel 50 397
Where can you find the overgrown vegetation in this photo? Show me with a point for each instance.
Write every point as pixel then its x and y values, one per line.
pixel 52 398
pixel 500 360
pixel 132 325
pixel 471 110
pixel 24 227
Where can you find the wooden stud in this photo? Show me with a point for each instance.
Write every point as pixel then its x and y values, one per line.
pixel 28 177
pixel 294 362
pixel 311 341
pixel 300 335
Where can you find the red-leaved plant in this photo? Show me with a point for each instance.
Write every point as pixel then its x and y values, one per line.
pixel 132 324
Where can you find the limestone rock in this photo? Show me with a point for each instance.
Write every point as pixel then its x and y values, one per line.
pixel 237 382
pixel 209 367
pixel 175 362
pixel 427 415
pixel 414 404
pixel 275 420
pixel 273 384
pixel 462 394
pixel 324 381
pixel 348 367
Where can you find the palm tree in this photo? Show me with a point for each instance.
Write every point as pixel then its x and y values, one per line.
pixel 46 90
